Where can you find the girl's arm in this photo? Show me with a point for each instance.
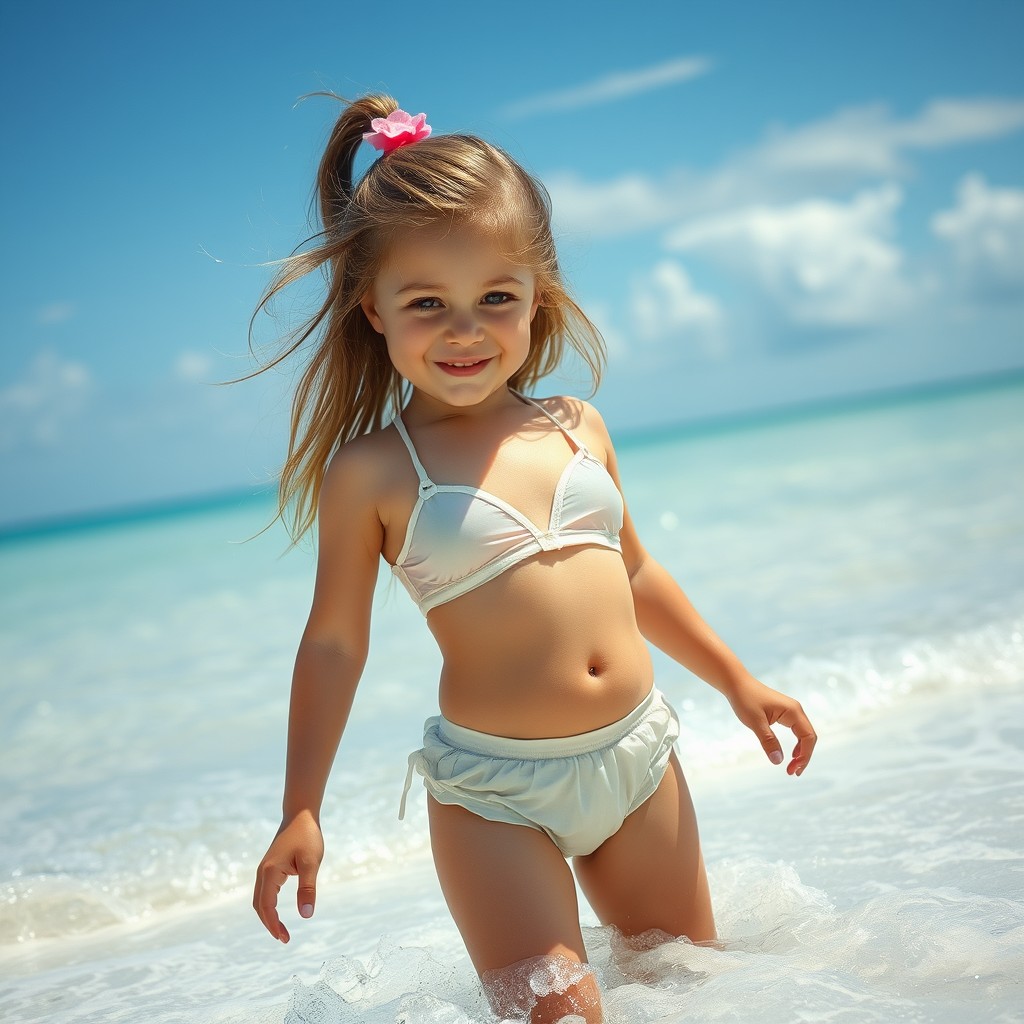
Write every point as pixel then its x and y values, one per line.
pixel 666 617
pixel 328 665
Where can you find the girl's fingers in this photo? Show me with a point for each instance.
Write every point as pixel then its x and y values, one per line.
pixel 269 880
pixel 770 743
pixel 791 715
pixel 805 740
pixel 306 895
pixel 759 708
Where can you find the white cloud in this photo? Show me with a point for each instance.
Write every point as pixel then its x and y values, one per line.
pixel 193 367
pixel 985 231
pixel 665 304
pixel 868 140
pixel 821 263
pixel 953 122
pixel 614 86
pixel 38 408
pixel 837 152
pixel 630 203
pixel 55 313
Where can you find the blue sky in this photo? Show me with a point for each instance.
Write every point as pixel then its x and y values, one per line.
pixel 760 204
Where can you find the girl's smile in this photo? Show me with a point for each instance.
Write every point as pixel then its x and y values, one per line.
pixel 464 369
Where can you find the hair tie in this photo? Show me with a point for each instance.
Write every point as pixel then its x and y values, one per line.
pixel 396 130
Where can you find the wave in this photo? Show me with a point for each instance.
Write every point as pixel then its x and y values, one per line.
pixel 863 679
pixel 196 852
pixel 925 954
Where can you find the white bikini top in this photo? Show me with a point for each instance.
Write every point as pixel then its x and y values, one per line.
pixel 461 537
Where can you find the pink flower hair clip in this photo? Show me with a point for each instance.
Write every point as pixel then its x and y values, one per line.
pixel 396 130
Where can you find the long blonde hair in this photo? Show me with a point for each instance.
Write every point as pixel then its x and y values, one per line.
pixel 349 386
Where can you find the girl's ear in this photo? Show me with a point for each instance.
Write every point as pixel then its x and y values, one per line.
pixel 535 306
pixel 370 310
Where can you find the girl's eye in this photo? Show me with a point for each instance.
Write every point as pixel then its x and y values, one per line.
pixel 497 298
pixel 426 304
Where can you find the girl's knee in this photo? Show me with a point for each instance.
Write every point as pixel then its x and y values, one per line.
pixel 545 990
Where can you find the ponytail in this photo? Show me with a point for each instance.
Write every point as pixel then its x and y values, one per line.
pixel 334 180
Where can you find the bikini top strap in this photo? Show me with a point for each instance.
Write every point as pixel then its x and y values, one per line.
pixel 425 481
pixel 561 426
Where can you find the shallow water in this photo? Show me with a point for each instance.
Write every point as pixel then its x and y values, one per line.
pixel 870 562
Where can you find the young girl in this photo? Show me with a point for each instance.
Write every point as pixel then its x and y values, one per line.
pixel 413 439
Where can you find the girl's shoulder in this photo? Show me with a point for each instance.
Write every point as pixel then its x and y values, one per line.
pixel 569 407
pixel 366 466
pixel 578 415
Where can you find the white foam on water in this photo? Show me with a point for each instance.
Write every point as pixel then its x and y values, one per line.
pixel 784 949
pixel 858 682
pixel 82 875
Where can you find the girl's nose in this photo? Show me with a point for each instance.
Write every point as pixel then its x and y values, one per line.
pixel 463 328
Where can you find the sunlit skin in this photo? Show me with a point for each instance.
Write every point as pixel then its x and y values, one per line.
pixel 555 646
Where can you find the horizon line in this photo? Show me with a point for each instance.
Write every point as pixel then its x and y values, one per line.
pixel 162 508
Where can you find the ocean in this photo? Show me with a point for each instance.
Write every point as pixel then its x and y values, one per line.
pixel 867 559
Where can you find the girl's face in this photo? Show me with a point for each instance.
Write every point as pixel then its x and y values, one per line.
pixel 455 314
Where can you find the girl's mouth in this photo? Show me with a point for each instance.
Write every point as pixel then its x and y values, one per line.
pixel 463 367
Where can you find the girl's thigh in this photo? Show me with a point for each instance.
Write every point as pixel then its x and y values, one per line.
pixel 650 874
pixel 508 888
pixel 513 899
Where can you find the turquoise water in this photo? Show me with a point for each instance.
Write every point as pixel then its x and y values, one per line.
pixel 870 561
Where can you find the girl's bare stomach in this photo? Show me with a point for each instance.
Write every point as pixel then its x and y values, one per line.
pixel 549 648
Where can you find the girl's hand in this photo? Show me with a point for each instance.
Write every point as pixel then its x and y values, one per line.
pixel 297 849
pixel 759 707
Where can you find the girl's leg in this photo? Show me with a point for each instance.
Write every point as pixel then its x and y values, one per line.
pixel 512 896
pixel 650 874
